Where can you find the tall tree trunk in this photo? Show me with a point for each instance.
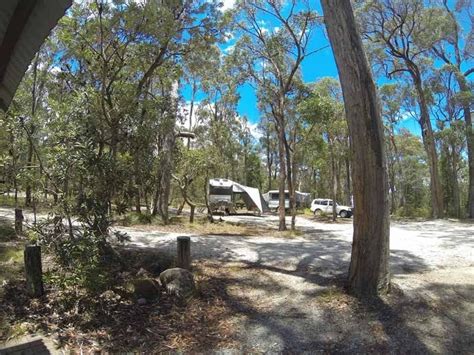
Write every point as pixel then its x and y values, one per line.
pixel 114 142
pixel 348 182
pixel 269 160
pixel 157 194
pixel 281 175
pixel 191 110
pixel 470 150
pixel 455 182
pixel 33 114
pixel 338 180
pixel 466 106
pixel 294 171
pixel 147 202
pixel 369 267
pixel 391 169
pixel 334 184
pixel 291 184
pixel 430 148
pixel 137 177
pixel 167 169
pixel 30 164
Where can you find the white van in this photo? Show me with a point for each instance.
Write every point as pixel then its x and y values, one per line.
pixel 324 205
pixel 273 199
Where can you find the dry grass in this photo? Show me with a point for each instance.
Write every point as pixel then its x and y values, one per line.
pixel 202 226
pixel 113 321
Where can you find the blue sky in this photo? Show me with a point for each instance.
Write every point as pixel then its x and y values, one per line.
pixel 318 65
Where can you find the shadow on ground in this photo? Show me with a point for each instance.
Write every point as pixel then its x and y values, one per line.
pixel 295 311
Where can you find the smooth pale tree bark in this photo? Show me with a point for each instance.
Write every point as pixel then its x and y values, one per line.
pixel 282 178
pixel 369 268
pixel 430 148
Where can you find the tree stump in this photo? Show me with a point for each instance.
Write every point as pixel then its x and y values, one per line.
pixel 184 253
pixel 19 221
pixel 33 271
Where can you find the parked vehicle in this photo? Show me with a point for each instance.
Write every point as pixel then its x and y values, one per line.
pixel 324 205
pixel 273 199
pixel 224 195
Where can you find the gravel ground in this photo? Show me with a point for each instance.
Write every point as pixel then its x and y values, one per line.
pixel 415 246
pixel 288 297
pixel 287 290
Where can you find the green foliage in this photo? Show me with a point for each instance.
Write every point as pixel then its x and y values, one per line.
pixel 85 258
pixel 11 260
pixel 413 212
pixel 325 146
pixel 7 231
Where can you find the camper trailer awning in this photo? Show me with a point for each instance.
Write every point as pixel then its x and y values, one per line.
pixel 251 195
pixel 24 25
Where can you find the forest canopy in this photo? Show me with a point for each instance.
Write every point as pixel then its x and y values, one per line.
pixel 97 122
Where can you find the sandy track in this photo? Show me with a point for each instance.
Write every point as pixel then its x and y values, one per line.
pixel 287 296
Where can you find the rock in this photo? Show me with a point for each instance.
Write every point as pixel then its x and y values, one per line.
pixel 178 282
pixel 141 301
pixel 146 288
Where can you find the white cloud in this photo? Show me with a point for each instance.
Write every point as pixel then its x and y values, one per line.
pixel 229 36
pixel 405 116
pixel 227 4
pixel 254 131
pixel 55 69
pixel 229 49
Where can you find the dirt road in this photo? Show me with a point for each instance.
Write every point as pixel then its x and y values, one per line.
pixel 287 292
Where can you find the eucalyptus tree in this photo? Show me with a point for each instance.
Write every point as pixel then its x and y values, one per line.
pixel 369 267
pixel 393 111
pixel 413 183
pixel 12 143
pixel 456 51
pixel 323 110
pixel 448 111
pixel 127 58
pixel 269 146
pixel 401 42
pixel 271 58
pixel 218 111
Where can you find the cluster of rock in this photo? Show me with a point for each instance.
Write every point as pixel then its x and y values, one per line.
pixel 176 282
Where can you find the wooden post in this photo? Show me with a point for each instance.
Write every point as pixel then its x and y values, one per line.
pixel 33 271
pixel 184 253
pixel 19 221
pixel 191 215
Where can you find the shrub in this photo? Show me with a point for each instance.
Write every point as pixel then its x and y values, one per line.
pixel 84 255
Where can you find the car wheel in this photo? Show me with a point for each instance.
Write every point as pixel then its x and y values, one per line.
pixel 343 214
pixel 318 212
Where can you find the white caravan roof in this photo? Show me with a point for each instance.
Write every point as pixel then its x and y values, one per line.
pixel 221 182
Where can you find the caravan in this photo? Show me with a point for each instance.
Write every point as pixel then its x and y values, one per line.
pixel 224 195
pixel 272 197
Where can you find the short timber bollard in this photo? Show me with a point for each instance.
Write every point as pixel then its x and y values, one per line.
pixel 184 253
pixel 19 221
pixel 33 271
